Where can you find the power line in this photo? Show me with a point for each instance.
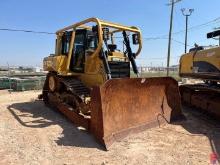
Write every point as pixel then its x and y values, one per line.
pixel 216 20
pixel 158 38
pixel 26 31
pixel 198 26
pixel 43 32
pixel 147 39
pixel 181 42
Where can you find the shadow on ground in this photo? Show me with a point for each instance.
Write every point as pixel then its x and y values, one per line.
pixel 198 123
pixel 42 117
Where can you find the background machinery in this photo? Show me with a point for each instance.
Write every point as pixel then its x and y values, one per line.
pixel 89 81
pixel 203 64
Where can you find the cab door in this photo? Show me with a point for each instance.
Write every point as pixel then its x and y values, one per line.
pixel 77 63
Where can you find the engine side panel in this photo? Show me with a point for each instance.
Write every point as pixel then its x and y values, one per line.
pixel 203 64
pixel 55 63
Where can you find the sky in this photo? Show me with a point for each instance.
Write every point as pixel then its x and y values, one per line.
pixel 151 16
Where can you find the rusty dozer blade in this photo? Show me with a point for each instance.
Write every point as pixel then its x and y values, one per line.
pixel 123 106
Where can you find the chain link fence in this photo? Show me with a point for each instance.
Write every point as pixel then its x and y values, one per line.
pixel 158 72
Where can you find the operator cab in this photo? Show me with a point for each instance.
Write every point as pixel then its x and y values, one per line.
pixel 85 43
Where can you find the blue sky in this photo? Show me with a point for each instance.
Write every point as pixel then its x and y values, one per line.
pixel 152 16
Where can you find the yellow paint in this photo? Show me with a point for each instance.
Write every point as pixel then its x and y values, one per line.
pixel 211 56
pixel 94 73
pixel 55 63
pixel 186 63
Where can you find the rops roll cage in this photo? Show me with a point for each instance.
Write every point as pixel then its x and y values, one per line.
pixel 100 26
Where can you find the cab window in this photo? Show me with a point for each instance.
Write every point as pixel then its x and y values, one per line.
pixel 66 43
pixel 78 56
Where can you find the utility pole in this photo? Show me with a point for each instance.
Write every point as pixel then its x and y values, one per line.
pixel 186 13
pixel 172 3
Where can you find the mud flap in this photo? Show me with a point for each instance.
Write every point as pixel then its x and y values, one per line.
pixel 123 106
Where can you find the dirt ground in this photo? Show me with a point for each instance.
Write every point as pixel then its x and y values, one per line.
pixel 30 133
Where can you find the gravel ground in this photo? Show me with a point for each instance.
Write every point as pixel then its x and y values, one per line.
pixel 34 134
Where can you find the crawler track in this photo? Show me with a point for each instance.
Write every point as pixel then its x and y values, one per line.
pixel 202 96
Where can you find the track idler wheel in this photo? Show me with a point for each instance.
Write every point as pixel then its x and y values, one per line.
pixel 53 83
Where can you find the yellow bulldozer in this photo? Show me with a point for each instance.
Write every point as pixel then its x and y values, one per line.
pixel 88 80
pixel 202 63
